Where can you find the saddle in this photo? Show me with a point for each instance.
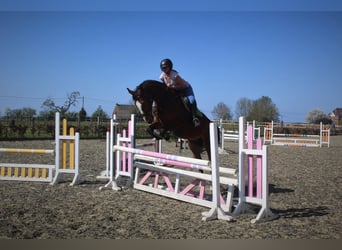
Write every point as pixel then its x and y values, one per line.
pixel 184 100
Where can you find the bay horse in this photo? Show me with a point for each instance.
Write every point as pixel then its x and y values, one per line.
pixel 170 114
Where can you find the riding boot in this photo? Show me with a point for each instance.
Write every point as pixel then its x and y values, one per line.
pixel 195 120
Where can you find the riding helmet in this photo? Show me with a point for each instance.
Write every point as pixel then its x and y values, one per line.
pixel 166 63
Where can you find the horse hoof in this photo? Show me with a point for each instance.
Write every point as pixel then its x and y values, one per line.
pixel 167 137
pixel 158 137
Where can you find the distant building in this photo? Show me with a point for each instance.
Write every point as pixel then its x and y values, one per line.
pixel 336 116
pixel 124 111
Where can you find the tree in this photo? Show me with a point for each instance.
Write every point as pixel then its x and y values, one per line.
pixel 243 107
pixel 263 110
pixel 100 114
pixel 70 102
pixel 82 114
pixel 221 111
pixel 71 116
pixel 47 114
pixel 316 116
pixel 20 113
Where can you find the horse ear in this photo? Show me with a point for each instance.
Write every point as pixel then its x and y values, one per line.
pixel 130 91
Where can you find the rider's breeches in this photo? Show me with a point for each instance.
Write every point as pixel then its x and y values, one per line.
pixel 189 93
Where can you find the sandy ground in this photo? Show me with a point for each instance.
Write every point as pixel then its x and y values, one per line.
pixel 305 192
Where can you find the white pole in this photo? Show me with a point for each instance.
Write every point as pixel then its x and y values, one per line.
pixel 57 145
pixel 241 201
pixel 216 211
pixel 77 159
pixel 107 154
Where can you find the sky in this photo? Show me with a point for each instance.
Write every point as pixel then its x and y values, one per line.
pixel 291 52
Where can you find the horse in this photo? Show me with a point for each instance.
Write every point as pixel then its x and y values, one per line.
pixel 170 114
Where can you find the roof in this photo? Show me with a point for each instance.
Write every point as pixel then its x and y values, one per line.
pixel 338 112
pixel 123 111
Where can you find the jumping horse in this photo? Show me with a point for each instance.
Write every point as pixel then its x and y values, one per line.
pixel 164 109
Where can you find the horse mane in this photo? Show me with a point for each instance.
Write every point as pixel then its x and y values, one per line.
pixel 154 84
pixel 149 83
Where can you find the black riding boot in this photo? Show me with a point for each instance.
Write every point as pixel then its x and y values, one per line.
pixel 195 120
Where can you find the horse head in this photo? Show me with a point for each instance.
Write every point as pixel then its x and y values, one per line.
pixel 144 102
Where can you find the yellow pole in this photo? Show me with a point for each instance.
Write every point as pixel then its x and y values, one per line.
pixel 26 151
pixel 36 173
pixel 23 172
pixel 16 172
pixel 324 133
pixel 44 173
pixel 29 172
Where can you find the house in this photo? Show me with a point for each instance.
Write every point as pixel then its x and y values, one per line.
pixel 124 111
pixel 336 116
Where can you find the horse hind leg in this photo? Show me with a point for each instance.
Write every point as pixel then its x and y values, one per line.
pixel 198 147
pixel 207 149
pixel 196 150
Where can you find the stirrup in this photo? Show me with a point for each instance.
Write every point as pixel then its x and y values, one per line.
pixel 196 121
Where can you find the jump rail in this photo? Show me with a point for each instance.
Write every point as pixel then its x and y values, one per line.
pixel 46 172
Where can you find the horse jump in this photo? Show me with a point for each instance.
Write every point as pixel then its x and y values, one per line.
pixel 114 170
pixel 66 159
pixel 297 140
pixel 177 177
pixel 233 135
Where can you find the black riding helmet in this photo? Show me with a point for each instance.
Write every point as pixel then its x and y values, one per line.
pixel 166 63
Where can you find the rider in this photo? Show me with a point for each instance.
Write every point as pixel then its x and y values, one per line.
pixel 173 80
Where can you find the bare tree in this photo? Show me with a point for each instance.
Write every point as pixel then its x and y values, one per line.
pixel 243 107
pixel 315 116
pixel 70 102
pixel 222 111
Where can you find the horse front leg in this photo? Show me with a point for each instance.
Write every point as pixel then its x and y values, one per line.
pixel 155 130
